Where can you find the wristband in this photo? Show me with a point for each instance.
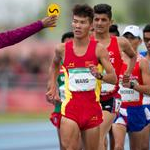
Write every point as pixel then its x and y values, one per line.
pixel 132 85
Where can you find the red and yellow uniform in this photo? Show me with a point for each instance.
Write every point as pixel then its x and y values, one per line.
pixel 82 89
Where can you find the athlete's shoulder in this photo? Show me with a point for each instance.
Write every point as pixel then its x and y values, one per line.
pixel 100 48
pixel 122 41
pixel 144 63
pixel 125 46
pixel 60 48
pixel 101 51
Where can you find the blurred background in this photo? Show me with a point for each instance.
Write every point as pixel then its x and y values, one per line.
pixel 24 66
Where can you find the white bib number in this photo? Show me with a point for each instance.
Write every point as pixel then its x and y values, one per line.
pixel 81 79
pixel 128 95
pixel 106 87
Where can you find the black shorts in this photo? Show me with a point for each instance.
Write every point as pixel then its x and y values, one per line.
pixel 108 105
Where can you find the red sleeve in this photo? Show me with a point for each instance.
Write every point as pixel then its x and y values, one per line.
pixel 14 36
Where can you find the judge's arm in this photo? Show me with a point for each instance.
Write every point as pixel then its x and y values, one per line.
pixel 14 36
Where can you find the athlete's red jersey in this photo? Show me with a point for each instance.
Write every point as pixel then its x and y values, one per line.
pixel 82 89
pixel 131 97
pixel 114 54
pixel 110 90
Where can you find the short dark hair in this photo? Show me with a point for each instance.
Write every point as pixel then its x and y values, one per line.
pixel 103 9
pixel 147 28
pixel 114 29
pixel 83 11
pixel 66 35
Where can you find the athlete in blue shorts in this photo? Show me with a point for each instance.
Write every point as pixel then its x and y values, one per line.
pixel 131 117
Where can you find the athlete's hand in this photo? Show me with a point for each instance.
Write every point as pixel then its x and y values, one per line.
pixel 52 95
pixel 130 85
pixel 49 21
pixel 95 72
pixel 126 78
pixel 126 84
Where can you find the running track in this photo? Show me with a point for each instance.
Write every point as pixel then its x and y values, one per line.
pixel 30 136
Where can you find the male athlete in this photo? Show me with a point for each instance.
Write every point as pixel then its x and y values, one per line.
pixel 81 110
pixel 110 99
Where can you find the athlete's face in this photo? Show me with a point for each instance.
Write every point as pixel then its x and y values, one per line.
pixel 81 26
pixel 101 23
pixel 146 36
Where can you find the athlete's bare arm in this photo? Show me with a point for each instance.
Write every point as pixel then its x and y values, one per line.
pixel 53 94
pixel 103 56
pixel 145 88
pixel 126 47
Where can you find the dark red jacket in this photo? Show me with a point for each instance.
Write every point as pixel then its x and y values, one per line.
pixel 14 36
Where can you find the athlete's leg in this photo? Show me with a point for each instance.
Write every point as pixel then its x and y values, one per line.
pixel 106 143
pixel 145 138
pixel 91 138
pixel 60 144
pixel 135 140
pixel 119 132
pixel 58 133
pixel 69 133
pixel 55 118
pixel 105 126
pixel 146 131
pixel 80 145
pixel 111 140
pixel 136 123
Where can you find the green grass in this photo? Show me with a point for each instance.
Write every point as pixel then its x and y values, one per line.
pixel 23 117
